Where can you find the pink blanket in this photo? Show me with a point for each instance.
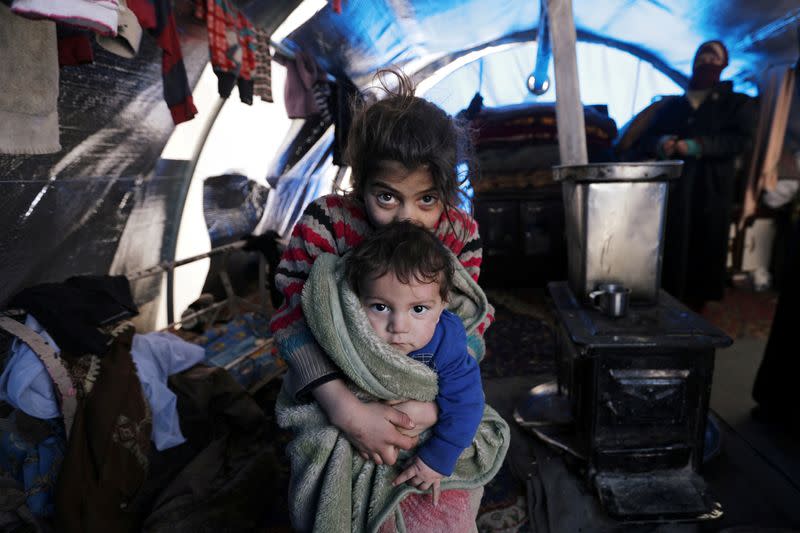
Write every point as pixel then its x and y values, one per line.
pixel 455 513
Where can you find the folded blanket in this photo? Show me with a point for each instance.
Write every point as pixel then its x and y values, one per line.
pixel 331 487
pixel 28 85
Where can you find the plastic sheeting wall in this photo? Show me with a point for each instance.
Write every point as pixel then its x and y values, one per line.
pixel 65 213
pixel 306 174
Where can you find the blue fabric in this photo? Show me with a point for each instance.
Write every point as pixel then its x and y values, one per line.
pixel 244 335
pixel 226 342
pixel 35 466
pixel 158 355
pixel 461 400
pixel 25 383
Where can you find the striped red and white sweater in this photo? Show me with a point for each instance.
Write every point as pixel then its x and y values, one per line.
pixel 335 224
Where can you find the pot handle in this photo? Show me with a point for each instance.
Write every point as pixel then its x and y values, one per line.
pixel 593 295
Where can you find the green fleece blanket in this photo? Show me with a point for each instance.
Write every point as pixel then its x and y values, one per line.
pixel 332 488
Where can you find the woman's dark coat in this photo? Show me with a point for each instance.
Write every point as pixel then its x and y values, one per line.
pixel 699 211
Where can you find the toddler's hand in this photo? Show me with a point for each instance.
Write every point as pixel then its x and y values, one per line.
pixel 421 476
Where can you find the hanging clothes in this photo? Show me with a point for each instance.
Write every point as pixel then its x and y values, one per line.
pixel 157 18
pixel 262 76
pixel 100 16
pixel 28 85
pixel 74 46
pixel 247 42
pixel 129 34
pixel 773 117
pixel 232 46
pixel 322 92
pixel 301 75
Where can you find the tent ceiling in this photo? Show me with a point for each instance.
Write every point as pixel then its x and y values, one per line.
pixel 267 15
pixel 411 33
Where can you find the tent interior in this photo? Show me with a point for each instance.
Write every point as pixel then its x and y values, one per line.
pixel 130 193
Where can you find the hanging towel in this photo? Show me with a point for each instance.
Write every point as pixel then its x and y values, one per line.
pixel 99 16
pixel 28 85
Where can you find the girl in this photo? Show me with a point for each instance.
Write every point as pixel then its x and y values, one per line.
pixel 403 152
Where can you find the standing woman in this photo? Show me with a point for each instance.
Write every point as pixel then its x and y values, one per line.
pixel 707 127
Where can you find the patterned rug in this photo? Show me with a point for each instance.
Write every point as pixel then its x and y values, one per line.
pixel 521 341
pixel 743 313
pixel 504 508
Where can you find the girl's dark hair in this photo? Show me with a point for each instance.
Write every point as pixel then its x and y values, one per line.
pixel 404 249
pixel 411 131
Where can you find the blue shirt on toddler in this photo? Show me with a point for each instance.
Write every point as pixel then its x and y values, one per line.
pixel 460 399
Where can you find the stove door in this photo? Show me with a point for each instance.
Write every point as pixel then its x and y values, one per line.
pixel 661 496
pixel 647 396
pixel 649 402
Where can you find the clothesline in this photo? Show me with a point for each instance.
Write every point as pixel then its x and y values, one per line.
pixel 233 301
pixel 165 266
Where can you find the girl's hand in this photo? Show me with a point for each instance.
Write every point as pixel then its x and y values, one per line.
pixel 372 428
pixel 421 476
pixel 423 415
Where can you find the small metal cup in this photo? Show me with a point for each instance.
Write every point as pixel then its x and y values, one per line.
pixel 611 299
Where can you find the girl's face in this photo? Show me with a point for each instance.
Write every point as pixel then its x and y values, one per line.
pixel 399 194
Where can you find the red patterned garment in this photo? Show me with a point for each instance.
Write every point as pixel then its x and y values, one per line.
pixel 232 46
pixel 335 224
pixel 156 16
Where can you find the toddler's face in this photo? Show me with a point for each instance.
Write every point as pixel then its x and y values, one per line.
pixel 397 194
pixel 402 314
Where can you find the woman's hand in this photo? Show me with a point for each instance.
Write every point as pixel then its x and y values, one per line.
pixel 423 415
pixel 372 428
pixel 666 145
pixel 421 476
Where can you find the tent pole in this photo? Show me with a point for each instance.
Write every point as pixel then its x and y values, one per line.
pixel 569 109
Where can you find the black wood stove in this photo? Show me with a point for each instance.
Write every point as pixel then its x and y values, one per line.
pixel 638 389
pixel 634 377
